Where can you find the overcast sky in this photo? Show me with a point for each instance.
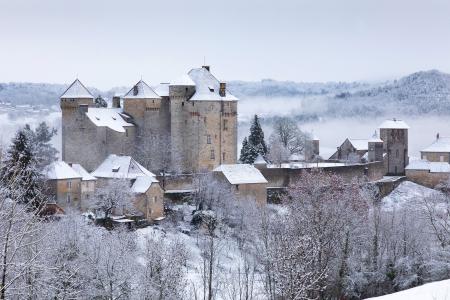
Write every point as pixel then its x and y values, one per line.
pixel 109 43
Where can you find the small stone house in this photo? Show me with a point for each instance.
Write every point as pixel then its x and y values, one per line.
pixel 351 150
pixel 87 183
pixel 244 180
pixel 428 173
pixel 63 185
pixel 438 151
pixel 149 194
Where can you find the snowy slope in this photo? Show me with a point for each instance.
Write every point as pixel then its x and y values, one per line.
pixel 439 290
pixel 405 194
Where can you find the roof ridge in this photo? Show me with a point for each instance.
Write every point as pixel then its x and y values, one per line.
pixel 82 85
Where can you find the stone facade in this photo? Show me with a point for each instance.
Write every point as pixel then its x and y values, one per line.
pixel 151 203
pixel 427 178
pixel 65 192
pixel 435 156
pixel 188 126
pixel 395 145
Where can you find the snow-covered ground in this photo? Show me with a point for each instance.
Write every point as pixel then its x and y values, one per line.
pixel 406 193
pixel 439 290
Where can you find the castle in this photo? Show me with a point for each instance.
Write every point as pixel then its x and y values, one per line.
pixel 185 126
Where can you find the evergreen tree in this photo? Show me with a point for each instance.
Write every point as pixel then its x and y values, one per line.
pixel 43 150
pixel 100 102
pixel 256 137
pixel 248 152
pixel 21 180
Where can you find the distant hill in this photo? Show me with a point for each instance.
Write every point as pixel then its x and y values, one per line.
pixel 425 92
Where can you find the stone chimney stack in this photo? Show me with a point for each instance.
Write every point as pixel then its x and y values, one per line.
pixel 223 89
pixel 116 102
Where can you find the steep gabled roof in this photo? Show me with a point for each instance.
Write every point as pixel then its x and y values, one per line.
pixel 207 86
pixel 83 173
pixel 120 166
pixel 360 144
pixel 162 89
pixel 241 174
pixel 77 90
pixel 141 90
pixel 183 80
pixel 60 170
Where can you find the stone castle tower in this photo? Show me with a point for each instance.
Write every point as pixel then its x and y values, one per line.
pixel 394 134
pixel 186 126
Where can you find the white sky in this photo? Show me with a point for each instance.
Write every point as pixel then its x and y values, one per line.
pixel 109 43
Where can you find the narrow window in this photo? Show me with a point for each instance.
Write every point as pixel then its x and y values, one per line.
pixel 154 199
pixel 396 153
pixel 126 132
pixel 212 156
pixel 208 139
pixel 223 156
pixel 68 198
pixel 225 124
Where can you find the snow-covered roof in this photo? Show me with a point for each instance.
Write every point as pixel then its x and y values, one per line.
pixel 141 90
pixel 77 90
pixel 108 117
pixel 143 183
pixel 60 170
pixel 118 166
pixel 207 86
pixel 84 174
pixel 183 80
pixel 441 144
pixel 259 160
pixel 360 144
pixel 162 89
pixel 241 174
pixel 433 167
pixel 394 124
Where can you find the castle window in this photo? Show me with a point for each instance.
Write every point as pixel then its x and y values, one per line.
pixel 396 153
pixel 68 198
pixel 211 155
pixel 126 132
pixel 182 103
pixel 208 139
pixel 223 156
pixel 69 184
pixel 211 89
pixel 225 124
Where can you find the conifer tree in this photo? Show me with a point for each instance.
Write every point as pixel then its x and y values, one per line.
pixel 248 152
pixel 256 137
pixel 20 176
pixel 40 143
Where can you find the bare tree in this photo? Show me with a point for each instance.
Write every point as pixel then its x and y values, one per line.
pixel 278 153
pixel 114 197
pixel 292 138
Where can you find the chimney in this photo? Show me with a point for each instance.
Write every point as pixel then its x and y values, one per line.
pixel 437 136
pixel 206 67
pixel 70 164
pixel 222 89
pixel 116 102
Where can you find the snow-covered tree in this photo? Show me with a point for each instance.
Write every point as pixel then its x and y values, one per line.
pixel 20 172
pixel 113 197
pixel 278 153
pixel 248 152
pixel 286 131
pixel 256 137
pixel 100 102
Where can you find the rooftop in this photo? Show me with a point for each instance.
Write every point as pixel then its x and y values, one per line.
pixel 183 80
pixel 77 90
pixel 108 117
pixel 84 174
pixel 118 166
pixel 360 144
pixel 425 165
pixel 394 124
pixel 441 144
pixel 60 170
pixel 241 174
pixel 143 183
pixel 207 86
pixel 162 89
pixel 141 90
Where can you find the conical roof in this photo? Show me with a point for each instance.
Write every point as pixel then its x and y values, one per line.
pixel 141 90
pixel 77 90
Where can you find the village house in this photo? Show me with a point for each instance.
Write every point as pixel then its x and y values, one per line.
pixel 352 150
pixel 143 183
pixel 87 183
pixel 438 151
pixel 63 185
pixel 244 180
pixel 428 173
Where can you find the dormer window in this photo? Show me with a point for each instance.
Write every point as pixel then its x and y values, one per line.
pixel 211 89
pixel 135 90
pixel 115 169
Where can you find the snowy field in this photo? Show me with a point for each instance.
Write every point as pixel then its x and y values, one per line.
pixel 439 290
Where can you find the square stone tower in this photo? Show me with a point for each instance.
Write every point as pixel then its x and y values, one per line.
pixel 394 134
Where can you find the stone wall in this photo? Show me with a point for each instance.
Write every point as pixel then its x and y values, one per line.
pixel 282 177
pixel 395 144
pixel 151 204
pixel 436 156
pixel 426 178
pixel 65 192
